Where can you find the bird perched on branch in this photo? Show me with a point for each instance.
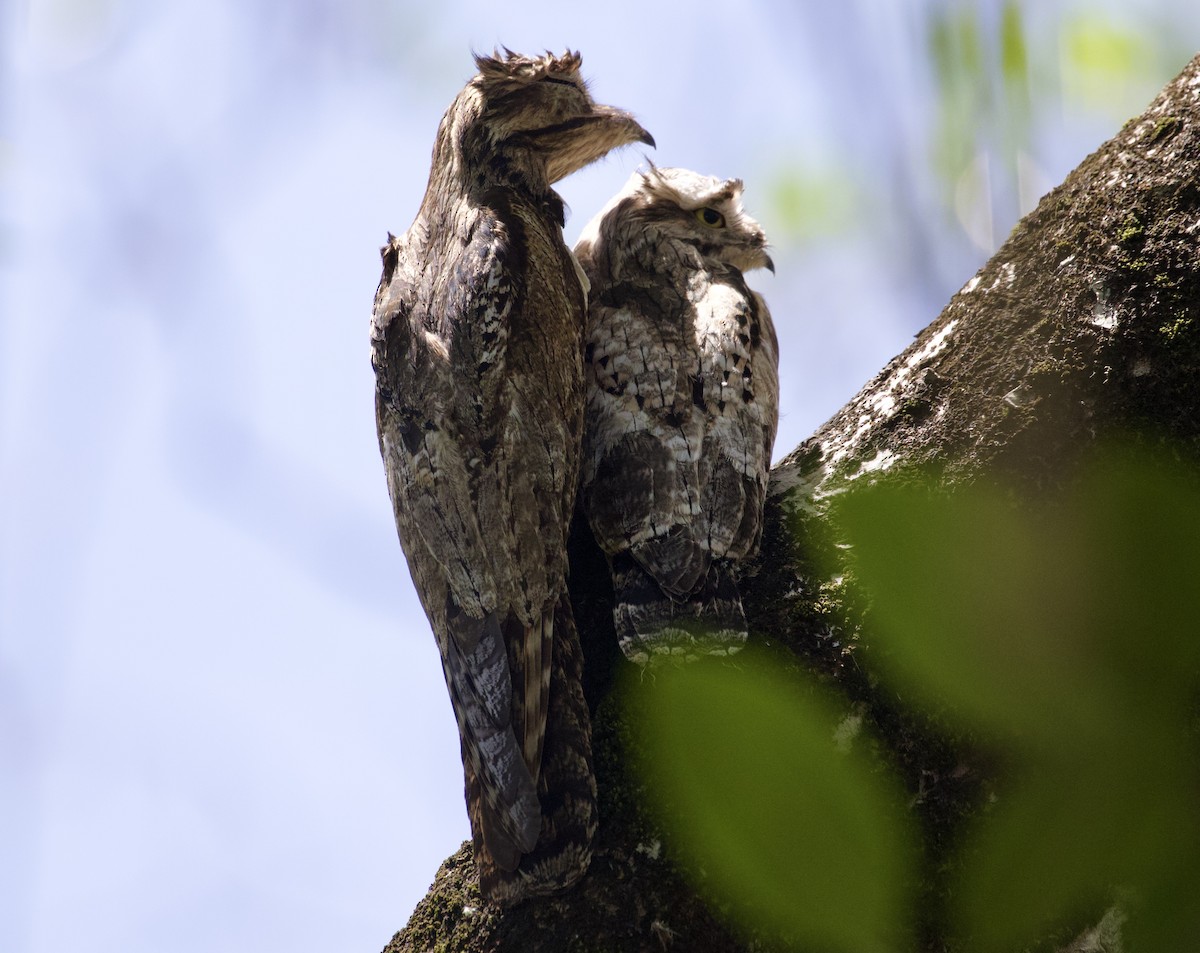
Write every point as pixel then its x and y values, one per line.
pixel 682 407
pixel 477 343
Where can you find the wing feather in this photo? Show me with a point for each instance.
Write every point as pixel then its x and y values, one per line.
pixel 436 437
pixel 738 354
pixel 644 433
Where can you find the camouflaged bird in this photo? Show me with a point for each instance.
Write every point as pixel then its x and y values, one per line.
pixel 477 344
pixel 682 408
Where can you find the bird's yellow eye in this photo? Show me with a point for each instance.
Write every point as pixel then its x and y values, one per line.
pixel 710 217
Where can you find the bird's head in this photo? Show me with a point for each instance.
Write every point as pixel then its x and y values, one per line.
pixel 701 210
pixel 537 111
pixel 676 204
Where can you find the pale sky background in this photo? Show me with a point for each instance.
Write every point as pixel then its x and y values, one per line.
pixel 223 724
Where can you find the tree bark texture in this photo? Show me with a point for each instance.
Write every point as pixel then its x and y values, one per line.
pixel 1085 325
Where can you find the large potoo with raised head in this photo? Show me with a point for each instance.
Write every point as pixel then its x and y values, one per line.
pixel 477 344
pixel 682 406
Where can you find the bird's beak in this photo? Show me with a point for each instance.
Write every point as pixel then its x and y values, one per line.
pixel 581 140
pixel 646 139
pixel 768 264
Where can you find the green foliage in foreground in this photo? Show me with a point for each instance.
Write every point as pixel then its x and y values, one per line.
pixel 801 834
pixel 1065 636
pixel 1068 632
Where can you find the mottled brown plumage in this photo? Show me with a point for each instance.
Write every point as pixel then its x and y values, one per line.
pixel 682 407
pixel 476 341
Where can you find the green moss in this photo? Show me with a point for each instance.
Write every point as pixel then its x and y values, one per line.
pixel 1178 328
pixel 915 409
pixel 1165 128
pixel 1131 230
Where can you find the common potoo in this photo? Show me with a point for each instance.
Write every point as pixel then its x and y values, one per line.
pixel 682 407
pixel 477 345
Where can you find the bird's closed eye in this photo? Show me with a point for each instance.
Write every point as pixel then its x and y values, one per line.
pixel 710 217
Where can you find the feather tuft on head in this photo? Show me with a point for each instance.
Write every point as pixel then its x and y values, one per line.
pixel 688 189
pixel 515 69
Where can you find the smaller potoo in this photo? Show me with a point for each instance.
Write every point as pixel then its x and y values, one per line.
pixel 682 407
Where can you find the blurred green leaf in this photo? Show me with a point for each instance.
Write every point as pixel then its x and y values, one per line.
pixel 1110 66
pixel 1015 70
pixel 963 608
pixel 957 50
pixel 1014 56
pixel 1067 633
pixel 1099 47
pixel 807 203
pixel 1167 918
pixel 797 833
pixel 1134 529
pixel 1061 614
pixel 1058 844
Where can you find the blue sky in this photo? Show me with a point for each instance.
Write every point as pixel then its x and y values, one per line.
pixel 222 718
